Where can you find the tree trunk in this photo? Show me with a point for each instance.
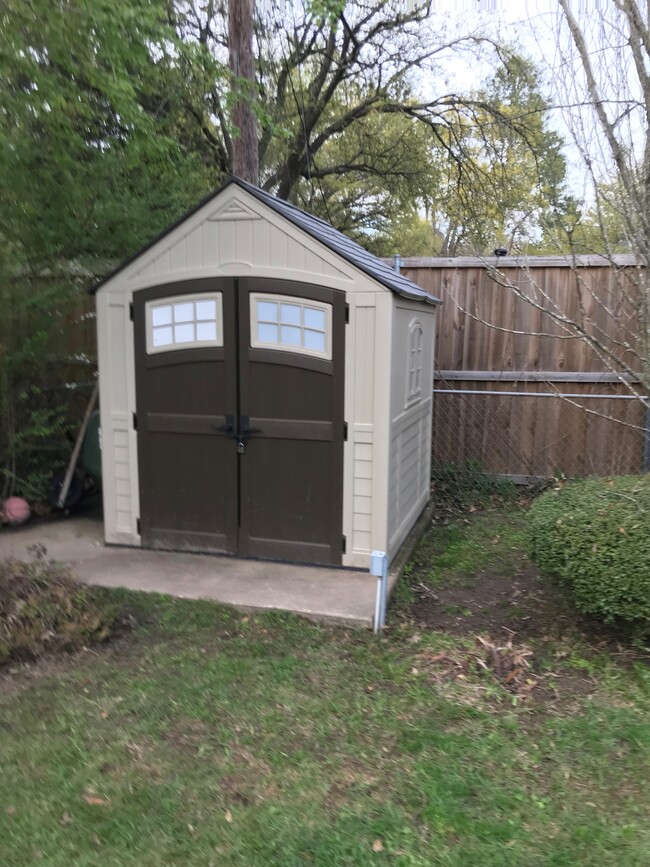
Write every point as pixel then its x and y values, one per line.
pixel 245 161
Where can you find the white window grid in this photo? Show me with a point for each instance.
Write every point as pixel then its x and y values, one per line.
pixel 184 322
pixel 414 362
pixel 290 324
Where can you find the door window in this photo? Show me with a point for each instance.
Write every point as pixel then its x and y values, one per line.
pixel 291 325
pixel 184 322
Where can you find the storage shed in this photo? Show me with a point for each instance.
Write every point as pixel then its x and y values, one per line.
pixel 265 389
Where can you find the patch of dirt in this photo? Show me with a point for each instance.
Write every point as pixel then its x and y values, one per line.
pixel 525 605
pixel 187 735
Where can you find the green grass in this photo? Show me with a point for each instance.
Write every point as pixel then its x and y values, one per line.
pixel 490 540
pixel 209 737
pixel 458 552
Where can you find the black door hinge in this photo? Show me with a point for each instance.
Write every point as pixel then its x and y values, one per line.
pixel 131 311
pixel 344 544
pixel 345 431
pixel 135 421
pixel 347 314
pixel 138 526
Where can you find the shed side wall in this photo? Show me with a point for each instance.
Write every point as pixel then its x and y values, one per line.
pixel 410 424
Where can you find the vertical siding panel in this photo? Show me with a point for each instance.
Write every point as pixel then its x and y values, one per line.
pixel 209 244
pixel 279 244
pixel 177 258
pixel 194 249
pixel 296 255
pixel 161 265
pixel 262 242
pixel 244 241
pixel 226 243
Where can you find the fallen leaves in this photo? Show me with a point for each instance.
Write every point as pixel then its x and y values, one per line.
pixel 228 817
pixel 91 798
pixel 507 664
pixel 96 801
pixel 377 846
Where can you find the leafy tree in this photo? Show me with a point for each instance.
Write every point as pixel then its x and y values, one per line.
pixel 502 169
pixel 92 164
pixel 92 159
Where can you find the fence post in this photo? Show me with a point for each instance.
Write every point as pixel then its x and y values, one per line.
pixel 645 465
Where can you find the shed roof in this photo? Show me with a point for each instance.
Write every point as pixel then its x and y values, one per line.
pixel 316 228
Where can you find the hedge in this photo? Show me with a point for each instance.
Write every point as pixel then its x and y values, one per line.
pixel 595 535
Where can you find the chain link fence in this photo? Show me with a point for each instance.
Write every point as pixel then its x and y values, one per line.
pixel 488 434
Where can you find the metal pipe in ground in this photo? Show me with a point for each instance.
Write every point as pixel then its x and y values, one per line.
pixel 379 568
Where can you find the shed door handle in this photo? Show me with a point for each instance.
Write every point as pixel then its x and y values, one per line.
pixel 245 429
pixel 228 429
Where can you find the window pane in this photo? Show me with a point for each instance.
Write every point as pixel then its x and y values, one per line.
pixel 267 311
pixel 206 310
pixel 183 313
pixel 314 340
pixel 267 333
pixel 206 330
pixel 162 315
pixel 314 319
pixel 291 336
pixel 163 336
pixel 290 314
pixel 184 333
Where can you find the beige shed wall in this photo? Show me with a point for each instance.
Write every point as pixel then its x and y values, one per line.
pixel 236 235
pixel 410 424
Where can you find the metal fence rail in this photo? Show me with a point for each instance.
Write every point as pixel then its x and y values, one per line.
pixel 530 430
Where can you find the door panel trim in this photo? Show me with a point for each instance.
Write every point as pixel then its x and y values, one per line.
pixel 290 359
pixel 181 540
pixel 161 422
pixel 292 552
pixel 279 429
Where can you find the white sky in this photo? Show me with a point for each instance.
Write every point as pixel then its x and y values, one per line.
pixel 534 27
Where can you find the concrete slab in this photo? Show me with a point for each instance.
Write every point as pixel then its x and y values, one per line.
pixel 340 595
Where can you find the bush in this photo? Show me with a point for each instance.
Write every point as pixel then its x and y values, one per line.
pixel 43 608
pixel 595 535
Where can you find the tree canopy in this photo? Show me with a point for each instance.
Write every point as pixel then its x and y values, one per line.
pixel 116 116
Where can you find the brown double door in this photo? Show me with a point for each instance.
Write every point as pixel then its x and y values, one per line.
pixel 240 441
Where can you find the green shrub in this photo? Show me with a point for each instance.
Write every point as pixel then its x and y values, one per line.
pixel 43 608
pixel 595 535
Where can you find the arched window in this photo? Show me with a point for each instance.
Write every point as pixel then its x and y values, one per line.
pixel 414 362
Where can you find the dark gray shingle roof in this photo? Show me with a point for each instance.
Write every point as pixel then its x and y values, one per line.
pixel 316 228
pixel 341 244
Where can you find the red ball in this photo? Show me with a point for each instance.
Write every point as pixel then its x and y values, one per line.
pixel 15 511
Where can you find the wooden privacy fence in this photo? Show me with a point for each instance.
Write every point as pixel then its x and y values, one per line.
pixel 515 393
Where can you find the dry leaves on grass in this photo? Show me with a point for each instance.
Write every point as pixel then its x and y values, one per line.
pixel 509 665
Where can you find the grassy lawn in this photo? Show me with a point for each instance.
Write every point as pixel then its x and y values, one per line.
pixel 208 737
